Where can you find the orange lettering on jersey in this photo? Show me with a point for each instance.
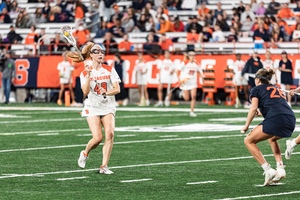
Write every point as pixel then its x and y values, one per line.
pixel 104 77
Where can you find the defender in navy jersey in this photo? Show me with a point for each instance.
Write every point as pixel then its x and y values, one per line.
pixel 279 121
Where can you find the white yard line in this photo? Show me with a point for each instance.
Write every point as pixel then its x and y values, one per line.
pixel 128 135
pixel 5 176
pixel 125 142
pixel 201 182
pixel 72 178
pixel 262 195
pixel 136 180
pixel 168 136
pixel 47 134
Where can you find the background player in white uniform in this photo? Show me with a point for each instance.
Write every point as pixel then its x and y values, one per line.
pixel 141 71
pixel 239 80
pixel 65 69
pixel 166 69
pixel 100 83
pixel 188 79
pixel 268 63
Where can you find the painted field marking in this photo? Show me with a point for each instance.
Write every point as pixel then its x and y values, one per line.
pixel 72 178
pixel 133 166
pixel 47 134
pixel 136 180
pixel 272 184
pixel 128 135
pixel 168 136
pixel 125 142
pixel 262 195
pixel 201 182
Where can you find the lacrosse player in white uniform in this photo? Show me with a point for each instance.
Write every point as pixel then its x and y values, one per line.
pixel 65 69
pixel 141 72
pixel 239 80
pixel 268 63
pixel 166 69
pixel 188 75
pixel 100 83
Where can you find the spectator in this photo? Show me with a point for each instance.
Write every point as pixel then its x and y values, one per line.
pixel 117 14
pixel 63 15
pixel 236 23
pixel 4 17
pixel 13 37
pixel 138 5
pixel 285 12
pixel 297 9
pixel 241 8
pixel 150 24
pixel 43 41
pixel 8 75
pixel 189 4
pixel 22 20
pixel 218 35
pixel 206 35
pixel 195 25
pixel 202 11
pixel 220 11
pixel 132 15
pixel 165 25
pixel 247 25
pixel 46 9
pixel 155 37
pixel 127 23
pixel 121 71
pixel 80 10
pixel 150 10
pixel 178 25
pixel 151 47
pixel 141 23
pixel 251 67
pixel 117 30
pixel 165 43
pixel 295 36
pixel 58 46
pixel 110 44
pixel 297 21
pixel 102 29
pixel 30 36
pixel 3 5
pixel 209 18
pixel 261 34
pixel 273 8
pixel 82 35
pixel 222 23
pixel 277 34
pixel 247 13
pixel 189 22
pixel 38 16
pixel 232 37
pixel 254 6
pixel 94 12
pixel 160 13
pixel 70 4
pixel 286 68
pixel 125 45
pixel 268 63
pixel 261 10
pixel 192 38
pixel 14 7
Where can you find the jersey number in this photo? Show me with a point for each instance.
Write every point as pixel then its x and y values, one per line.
pixel 276 93
pixel 102 85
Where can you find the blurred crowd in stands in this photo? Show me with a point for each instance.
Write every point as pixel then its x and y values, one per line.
pixel 261 21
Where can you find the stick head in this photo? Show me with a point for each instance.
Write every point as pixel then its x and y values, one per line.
pixel 67 33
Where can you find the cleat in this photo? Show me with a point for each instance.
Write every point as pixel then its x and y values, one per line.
pixel 289 149
pixel 125 102
pixel 192 114
pixel 82 160
pixel 105 170
pixel 159 104
pixel 280 174
pixel 269 175
pixel 167 103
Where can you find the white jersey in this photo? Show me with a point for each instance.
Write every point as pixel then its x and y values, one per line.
pixel 190 72
pixel 238 68
pixel 166 67
pixel 269 64
pixel 141 72
pixel 96 104
pixel 65 69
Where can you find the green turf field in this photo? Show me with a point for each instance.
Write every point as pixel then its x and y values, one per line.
pixel 158 154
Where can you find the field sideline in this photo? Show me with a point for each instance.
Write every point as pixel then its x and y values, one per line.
pixel 159 153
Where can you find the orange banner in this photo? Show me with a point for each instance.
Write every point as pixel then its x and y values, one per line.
pixel 47 76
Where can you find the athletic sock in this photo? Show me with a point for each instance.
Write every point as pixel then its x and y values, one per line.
pixel 293 143
pixel 266 166
pixel 279 164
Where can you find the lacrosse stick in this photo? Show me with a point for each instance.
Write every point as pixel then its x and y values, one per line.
pixel 173 89
pixel 288 91
pixel 67 33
